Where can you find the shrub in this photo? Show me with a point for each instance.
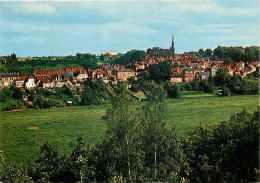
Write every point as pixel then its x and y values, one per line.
pixel 225 91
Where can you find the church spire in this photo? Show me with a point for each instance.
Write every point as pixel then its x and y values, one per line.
pixel 172 46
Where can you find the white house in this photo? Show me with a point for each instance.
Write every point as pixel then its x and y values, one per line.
pixel 30 83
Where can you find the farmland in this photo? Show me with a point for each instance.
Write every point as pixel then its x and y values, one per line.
pixel 22 133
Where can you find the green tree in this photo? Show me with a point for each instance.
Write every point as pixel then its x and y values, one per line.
pixel 225 91
pixel 163 152
pixel 228 61
pixel 208 52
pixel 146 75
pixel 219 52
pixel 201 52
pixel 222 77
pixel 121 132
pixel 160 72
pixel 148 51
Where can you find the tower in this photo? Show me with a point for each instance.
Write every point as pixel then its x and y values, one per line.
pixel 172 48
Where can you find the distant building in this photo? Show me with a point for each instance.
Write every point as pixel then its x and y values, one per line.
pixel 123 74
pixel 111 53
pixel 7 79
pixel 166 53
pixel 30 83
pixel 188 74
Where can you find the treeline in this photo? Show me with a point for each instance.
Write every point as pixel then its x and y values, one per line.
pixel 230 54
pixel 225 83
pixel 139 148
pixel 129 57
pixel 27 67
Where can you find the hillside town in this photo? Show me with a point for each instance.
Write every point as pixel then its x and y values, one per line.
pixel 185 67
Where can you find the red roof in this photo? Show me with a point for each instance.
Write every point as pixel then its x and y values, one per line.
pixel 175 69
pixel 100 72
pixel 23 77
pixel 255 64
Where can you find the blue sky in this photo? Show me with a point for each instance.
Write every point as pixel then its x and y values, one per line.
pixel 45 28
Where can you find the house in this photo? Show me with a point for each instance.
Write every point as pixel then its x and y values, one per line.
pixel 7 79
pixel 100 73
pixel 123 74
pixel 188 74
pixel 66 76
pixel 213 69
pixel 20 81
pixel 176 71
pixel 30 83
pixel 176 80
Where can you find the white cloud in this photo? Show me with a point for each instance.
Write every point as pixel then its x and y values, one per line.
pixel 27 39
pixel 34 8
pixel 24 28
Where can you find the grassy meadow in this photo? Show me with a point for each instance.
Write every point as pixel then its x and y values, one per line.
pixel 23 132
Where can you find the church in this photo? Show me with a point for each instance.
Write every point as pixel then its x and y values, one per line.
pixel 163 53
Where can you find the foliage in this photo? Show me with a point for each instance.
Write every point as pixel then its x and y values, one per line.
pixel 129 57
pixel 237 54
pixel 222 77
pixel 160 72
pixel 225 91
pixel 27 67
pixel 95 93
pixel 11 98
pixel 173 91
pixel 226 152
pixel 14 174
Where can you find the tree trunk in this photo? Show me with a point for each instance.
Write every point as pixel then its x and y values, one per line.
pixel 155 151
pixel 128 160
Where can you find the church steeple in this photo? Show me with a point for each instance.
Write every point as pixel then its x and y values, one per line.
pixel 172 49
pixel 172 46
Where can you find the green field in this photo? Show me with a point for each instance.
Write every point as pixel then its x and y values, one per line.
pixel 20 143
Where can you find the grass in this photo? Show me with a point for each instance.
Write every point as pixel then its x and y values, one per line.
pixel 20 143
pixel 139 94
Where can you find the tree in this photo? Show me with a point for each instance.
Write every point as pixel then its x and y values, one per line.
pixel 228 61
pixel 148 51
pixel 208 52
pixel 219 52
pixel 131 79
pixel 121 132
pixel 222 77
pixel 201 52
pixel 211 84
pixel 130 56
pixel 250 55
pixel 13 56
pixel 227 152
pixel 225 91
pixel 162 149
pixel 146 75
pixel 173 91
pixel 160 72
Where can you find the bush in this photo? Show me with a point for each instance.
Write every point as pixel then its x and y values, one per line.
pixel 225 91
pixel 174 91
pixel 11 104
pixel 133 88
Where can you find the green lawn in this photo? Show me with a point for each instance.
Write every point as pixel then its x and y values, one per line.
pixel 20 143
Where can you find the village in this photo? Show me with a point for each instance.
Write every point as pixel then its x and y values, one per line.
pixel 185 68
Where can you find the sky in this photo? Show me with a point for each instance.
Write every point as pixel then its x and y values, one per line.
pixel 60 28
